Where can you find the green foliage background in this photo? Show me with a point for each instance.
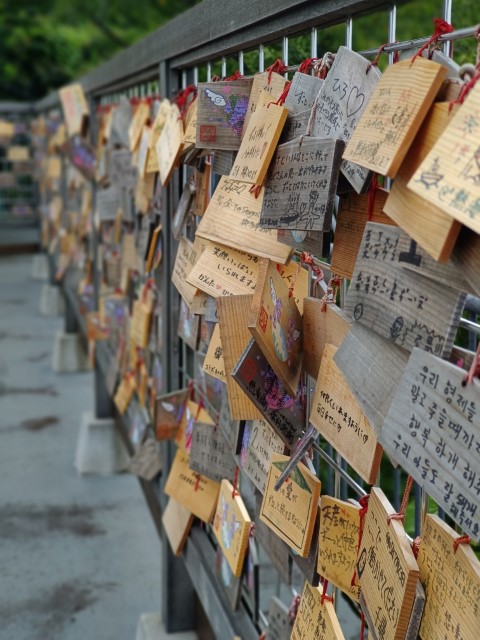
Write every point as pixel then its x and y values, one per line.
pixel 47 43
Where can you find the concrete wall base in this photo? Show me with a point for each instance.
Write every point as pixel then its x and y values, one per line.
pixel 100 449
pixel 40 267
pixel 51 300
pixel 68 355
pixel 151 627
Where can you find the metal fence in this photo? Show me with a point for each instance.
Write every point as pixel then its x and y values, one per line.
pixel 217 37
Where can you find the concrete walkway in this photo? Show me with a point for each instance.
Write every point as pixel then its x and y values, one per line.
pixel 79 556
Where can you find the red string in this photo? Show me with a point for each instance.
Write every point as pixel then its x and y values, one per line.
pixel 309 260
pixel 255 189
pixel 197 482
pixel 235 483
pixel 461 540
pixel 262 636
pixel 283 95
pixel 374 62
pixel 416 546
pixel 306 65
pixel 236 76
pixel 150 283
pixel 276 67
pixel 372 192
pixel 331 294
pixel 200 407
pixel 441 27
pixel 362 625
pixel 292 612
pixel 191 389
pixel 403 507
pixel 467 87
pixel 182 99
pixel 363 510
pixel 324 593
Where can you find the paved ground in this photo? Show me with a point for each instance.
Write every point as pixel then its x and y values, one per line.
pixel 79 556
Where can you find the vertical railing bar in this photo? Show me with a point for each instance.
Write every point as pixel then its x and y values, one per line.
pixel 184 78
pixel 313 42
pixel 447 16
pixel 285 53
pixel 418 495
pixel 224 67
pixel 396 488
pixel 349 32
pixel 392 29
pixel 240 63
pixel 261 58
pixel 195 76
pixel 209 71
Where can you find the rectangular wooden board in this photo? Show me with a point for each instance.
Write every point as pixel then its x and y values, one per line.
pixel 276 549
pixel 308 566
pixel 431 430
pixel 259 382
pixel 449 176
pixel 295 126
pixel 75 108
pixel 291 511
pixel 140 116
pixel 213 363
pixel 404 307
pixel 341 102
pixel 302 92
pixel 394 115
pixel 279 627
pixel 341 421
pixel 316 618
pixel 258 144
pixel 299 278
pixel 386 568
pixel 452 583
pixel 276 324
pixel 198 495
pixel 372 366
pixel 186 258
pixel 301 185
pixel 271 83
pixel 338 543
pixel 193 412
pixel 169 409
pixel 210 454
pixel 233 219
pixel 169 144
pixel 231 527
pixel 223 162
pixel 177 522
pixel 309 241
pixel 434 230
pixel 259 442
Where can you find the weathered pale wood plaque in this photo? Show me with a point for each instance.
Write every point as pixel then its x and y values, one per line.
pixel 295 126
pixel 210 454
pixel 338 543
pixel 386 569
pixel 394 114
pixel 279 627
pixel 291 511
pixel 408 309
pixel 341 103
pixel 302 92
pixel 259 442
pixel 338 417
pixel 272 83
pixel 192 412
pixel 213 363
pixel 177 522
pixel 169 144
pixel 316 620
pixel 232 218
pixel 277 550
pixel 435 230
pixel 449 177
pixel 432 430
pixel 187 256
pixel 301 184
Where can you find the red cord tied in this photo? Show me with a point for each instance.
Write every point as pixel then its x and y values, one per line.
pixel 467 87
pixel 191 389
pixel 197 482
pixel 255 189
pixel 149 286
pixel 283 95
pixel 324 593
pixel 461 540
pixel 253 529
pixel 276 67
pixel 372 192
pixel 442 27
pixel 362 625
pixel 474 369
pixel 184 99
pixel 293 611
pixel 363 510
pixel 323 65
pixel 308 260
pixel 331 294
pixel 416 546
pixel 306 65
pixel 235 483
pixel 374 62
pixel 236 76
pixel 403 507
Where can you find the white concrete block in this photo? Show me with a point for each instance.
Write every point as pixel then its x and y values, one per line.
pixel 68 354
pixel 40 267
pixel 100 450
pixel 151 627
pixel 51 300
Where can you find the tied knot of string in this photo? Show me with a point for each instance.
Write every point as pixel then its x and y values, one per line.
pixel 403 507
pixel 416 546
pixel 283 95
pixel 255 189
pixel 331 293
pixel 374 62
pixel 236 76
pixel 323 65
pixel 306 65
pixel 442 27
pixel 276 67
pixel 308 260
pixel 185 98
pixel 293 611
pixel 461 540
pixel 324 593
pixel 364 500
pixel 474 369
pixel 465 90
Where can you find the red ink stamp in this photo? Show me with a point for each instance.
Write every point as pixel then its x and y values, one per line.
pixel 208 133
pixel 263 319
pixel 249 369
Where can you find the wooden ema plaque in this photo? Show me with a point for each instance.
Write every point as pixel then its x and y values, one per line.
pixel 291 273
pixel 279 626
pixel 193 412
pixel 124 393
pixel 182 210
pixel 316 620
pixel 308 565
pixel 141 321
pixel 295 126
pixel 431 430
pixel 169 410
pixel 188 326
pixel 301 185
pixel 339 418
pixel 17 153
pixel 187 256
pixel 259 442
pixel 169 145
pixel 75 109
pixel 341 102
pixel 302 92
pixel 465 256
pixel 191 126
pixel 386 569
pixel 449 177
pixel 152 249
pixel 258 144
pixel 291 511
pixel 209 453
pixel 233 313
pixel 213 363
pixel 309 241
pixel 139 120
pixel 231 527
pixel 195 493
pixel 202 190
pixel 143 150
pixel 338 544
pixel 177 522
pixel 221 111
pixel 404 307
pixel 271 83
pixel 433 229
pixel 276 549
pixel 364 350
pixel 7 129
pixel 262 387
pixel 452 584
pixel 229 427
pixel 351 220
pixel 276 325
pixel 106 204
pixel 223 271
pixel 233 219
pixel 394 114
pixel 319 328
